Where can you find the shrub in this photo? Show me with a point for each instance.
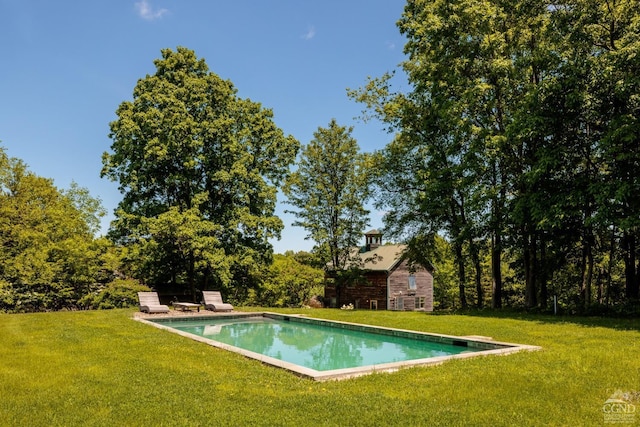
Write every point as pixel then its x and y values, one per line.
pixel 6 296
pixel 287 283
pixel 21 298
pixel 315 302
pixel 120 293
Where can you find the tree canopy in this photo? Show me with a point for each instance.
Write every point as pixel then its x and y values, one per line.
pixel 519 130
pixel 49 256
pixel 199 170
pixel 329 190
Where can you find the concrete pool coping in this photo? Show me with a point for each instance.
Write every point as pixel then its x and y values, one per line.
pixel 483 346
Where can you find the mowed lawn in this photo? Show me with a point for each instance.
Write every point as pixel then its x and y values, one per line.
pixel 103 368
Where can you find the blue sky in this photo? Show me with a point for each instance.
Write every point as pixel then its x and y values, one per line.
pixel 66 66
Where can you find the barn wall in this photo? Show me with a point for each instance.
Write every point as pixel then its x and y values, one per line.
pixel 362 295
pixel 399 288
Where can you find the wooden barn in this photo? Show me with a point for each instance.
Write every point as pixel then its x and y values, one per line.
pixel 391 282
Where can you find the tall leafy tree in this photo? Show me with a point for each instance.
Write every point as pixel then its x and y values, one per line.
pixel 48 254
pixel 612 29
pixel 199 170
pixel 520 126
pixel 579 121
pixel 90 207
pixel 329 190
pixel 453 122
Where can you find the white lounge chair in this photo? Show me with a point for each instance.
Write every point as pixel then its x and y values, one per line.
pixel 150 303
pixel 213 301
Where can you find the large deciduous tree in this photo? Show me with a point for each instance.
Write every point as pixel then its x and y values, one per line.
pixel 329 190
pixel 520 128
pixel 446 171
pixel 49 256
pixel 199 169
pixel 612 31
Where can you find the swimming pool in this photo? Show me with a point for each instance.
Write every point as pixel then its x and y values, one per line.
pixel 322 349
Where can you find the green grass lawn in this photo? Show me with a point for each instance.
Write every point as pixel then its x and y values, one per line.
pixel 102 368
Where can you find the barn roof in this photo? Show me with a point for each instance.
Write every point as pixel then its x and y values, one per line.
pixel 382 258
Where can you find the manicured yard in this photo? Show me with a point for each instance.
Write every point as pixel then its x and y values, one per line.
pixel 102 368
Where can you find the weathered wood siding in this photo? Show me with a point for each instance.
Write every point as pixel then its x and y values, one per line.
pixel 399 288
pixel 362 295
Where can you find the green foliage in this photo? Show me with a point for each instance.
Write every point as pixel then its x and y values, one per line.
pixel 519 128
pixel 312 259
pixel 199 170
pixel 120 293
pixel 89 207
pixel 329 190
pixel 49 256
pixel 445 282
pixel 288 283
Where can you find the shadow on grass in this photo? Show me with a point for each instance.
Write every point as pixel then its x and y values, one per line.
pixel 618 323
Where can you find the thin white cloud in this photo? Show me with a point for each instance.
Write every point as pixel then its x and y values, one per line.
pixel 311 33
pixel 391 45
pixel 146 11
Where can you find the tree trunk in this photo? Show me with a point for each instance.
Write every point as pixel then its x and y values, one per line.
pixel 600 285
pixel 461 274
pixel 475 256
pixel 631 277
pixel 587 271
pixel 496 246
pixel 543 276
pixel 612 254
pixel 530 270
pixel 496 270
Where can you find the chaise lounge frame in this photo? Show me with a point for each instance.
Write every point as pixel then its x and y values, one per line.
pixel 213 301
pixel 150 303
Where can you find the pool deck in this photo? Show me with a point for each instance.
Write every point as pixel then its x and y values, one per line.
pixel 487 344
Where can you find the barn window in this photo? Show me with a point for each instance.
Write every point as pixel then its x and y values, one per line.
pixel 419 302
pixel 412 282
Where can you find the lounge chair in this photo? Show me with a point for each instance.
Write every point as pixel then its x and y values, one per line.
pixel 213 301
pixel 149 303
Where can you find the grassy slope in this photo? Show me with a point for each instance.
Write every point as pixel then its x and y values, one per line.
pixel 102 368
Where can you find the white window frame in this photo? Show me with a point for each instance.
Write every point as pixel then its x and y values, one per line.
pixel 412 285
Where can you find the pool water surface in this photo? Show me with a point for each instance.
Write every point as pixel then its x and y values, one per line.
pixel 322 349
pixel 318 347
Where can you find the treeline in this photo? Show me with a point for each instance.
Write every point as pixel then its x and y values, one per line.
pixel 51 257
pixel 513 170
pixel 519 141
pixel 199 169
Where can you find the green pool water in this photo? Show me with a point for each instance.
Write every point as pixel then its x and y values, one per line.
pixel 315 346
